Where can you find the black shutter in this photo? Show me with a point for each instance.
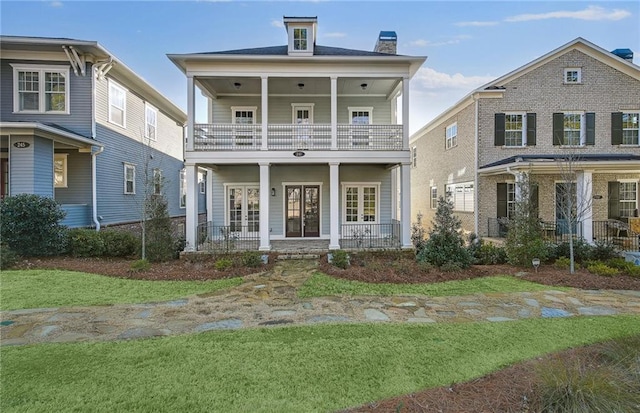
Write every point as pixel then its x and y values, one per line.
pixel 616 128
pixel 614 200
pixel 591 128
pixel 501 211
pixel 531 129
pixel 534 199
pixel 558 128
pixel 499 129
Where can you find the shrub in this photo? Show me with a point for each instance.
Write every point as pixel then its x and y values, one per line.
pixel 562 263
pixel 159 244
pixel 582 251
pixel 486 253
pixel 31 225
pixel 140 265
pixel 252 259
pixel 82 242
pixel 451 266
pixel 626 267
pixel 418 233
pixel 223 264
pixel 340 259
pixel 600 268
pixel 119 243
pixel 604 250
pixel 445 244
pixel 8 257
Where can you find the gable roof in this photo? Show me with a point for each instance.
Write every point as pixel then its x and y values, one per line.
pixel 496 85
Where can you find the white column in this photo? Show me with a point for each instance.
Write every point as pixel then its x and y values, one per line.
pixel 519 176
pixel 334 211
pixel 334 113
pixel 405 205
pixel 265 192
pixel 191 111
pixel 191 223
pixel 265 111
pixel 405 113
pixel 209 192
pixel 584 189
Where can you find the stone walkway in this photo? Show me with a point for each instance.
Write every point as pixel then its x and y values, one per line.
pixel 270 299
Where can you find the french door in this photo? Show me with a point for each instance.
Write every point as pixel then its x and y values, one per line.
pixel 302 210
pixel 302 119
pixel 243 214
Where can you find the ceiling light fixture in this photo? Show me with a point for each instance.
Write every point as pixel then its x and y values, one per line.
pixel 364 86
pixel 300 86
pixel 237 85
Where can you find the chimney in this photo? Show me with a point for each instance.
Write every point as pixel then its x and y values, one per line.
pixel 626 54
pixel 387 43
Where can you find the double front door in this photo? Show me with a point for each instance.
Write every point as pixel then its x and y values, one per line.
pixel 302 210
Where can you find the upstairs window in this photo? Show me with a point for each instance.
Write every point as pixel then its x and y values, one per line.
pixel 451 136
pixel 515 129
pixel 630 128
pixel 574 128
pixel 572 76
pixel 151 122
pixel 40 89
pixel 117 103
pixel 300 39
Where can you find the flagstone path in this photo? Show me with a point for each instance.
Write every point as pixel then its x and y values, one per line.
pixel 270 299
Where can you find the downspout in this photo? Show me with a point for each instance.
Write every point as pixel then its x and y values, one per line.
pixel 476 212
pixel 94 191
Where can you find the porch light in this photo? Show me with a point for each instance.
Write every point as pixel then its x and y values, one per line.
pixel 364 86
pixel 237 85
pixel 300 86
pixel 273 192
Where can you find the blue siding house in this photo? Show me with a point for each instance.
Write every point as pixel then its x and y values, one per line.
pixel 77 125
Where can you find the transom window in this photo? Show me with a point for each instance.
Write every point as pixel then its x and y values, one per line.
pixel 117 104
pixel 41 89
pixel 60 170
pixel 572 75
pixel 515 127
pixel 628 198
pixel 573 129
pixel 451 136
pixel 129 179
pixel 630 128
pixel 300 39
pixel 151 122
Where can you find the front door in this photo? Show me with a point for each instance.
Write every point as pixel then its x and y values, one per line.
pixel 244 209
pixel 566 208
pixel 303 211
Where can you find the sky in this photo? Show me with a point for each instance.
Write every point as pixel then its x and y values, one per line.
pixel 467 43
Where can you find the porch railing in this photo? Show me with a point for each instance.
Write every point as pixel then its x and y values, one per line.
pixel 370 236
pixel 286 137
pixel 227 238
pixel 617 233
pixel 555 231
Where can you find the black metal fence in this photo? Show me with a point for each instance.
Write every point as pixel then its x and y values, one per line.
pixel 554 231
pixel 617 233
pixel 227 238
pixel 370 236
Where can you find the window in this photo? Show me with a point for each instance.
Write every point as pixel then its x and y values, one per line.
pixel 514 127
pixel 202 182
pixel 462 196
pixel 157 182
pixel 300 39
pixel 117 104
pixel 630 128
pixel 40 89
pixel 452 136
pixel 574 128
pixel 434 197
pixel 511 199
pixel 414 157
pixel 129 179
pixel 60 170
pixel 183 188
pixel 628 198
pixel 572 75
pixel 151 122
pixel 360 203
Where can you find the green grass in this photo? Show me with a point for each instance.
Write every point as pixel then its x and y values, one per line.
pixel 55 288
pixel 320 285
pixel 294 369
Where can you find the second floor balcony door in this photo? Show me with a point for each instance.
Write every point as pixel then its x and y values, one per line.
pixel 244 119
pixel 302 119
pixel 360 118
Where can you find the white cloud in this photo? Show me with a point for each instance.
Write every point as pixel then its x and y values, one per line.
pixel 427 43
pixel 56 4
pixel 476 24
pixel 334 34
pixel 428 79
pixel 277 23
pixel 592 13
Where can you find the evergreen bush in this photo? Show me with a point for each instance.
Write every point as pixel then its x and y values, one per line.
pixel 119 243
pixel 82 242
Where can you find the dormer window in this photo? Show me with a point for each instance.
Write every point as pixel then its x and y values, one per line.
pixel 301 33
pixel 300 39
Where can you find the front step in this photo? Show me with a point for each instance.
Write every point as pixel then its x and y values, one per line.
pixel 298 256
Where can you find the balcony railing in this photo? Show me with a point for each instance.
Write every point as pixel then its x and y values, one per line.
pixel 287 137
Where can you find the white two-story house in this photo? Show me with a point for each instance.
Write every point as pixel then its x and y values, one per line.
pixel 303 142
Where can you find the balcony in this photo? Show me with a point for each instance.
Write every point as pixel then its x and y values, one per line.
pixel 288 137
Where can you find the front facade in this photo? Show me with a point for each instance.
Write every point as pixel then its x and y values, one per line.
pixel 302 142
pixel 79 126
pixel 566 122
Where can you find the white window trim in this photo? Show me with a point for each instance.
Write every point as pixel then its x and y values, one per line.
pixel 359 185
pixel 523 143
pixel 147 108
pixel 432 204
pixel 631 145
pixel 296 106
pixel 583 129
pixel 133 167
pixel 361 109
pixel 253 109
pixel 60 157
pixel 572 69
pixel 449 140
pixel 112 83
pixel 632 181
pixel 41 87
pixel 309 30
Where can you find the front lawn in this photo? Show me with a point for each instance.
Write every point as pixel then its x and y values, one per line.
pixel 295 369
pixel 56 288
